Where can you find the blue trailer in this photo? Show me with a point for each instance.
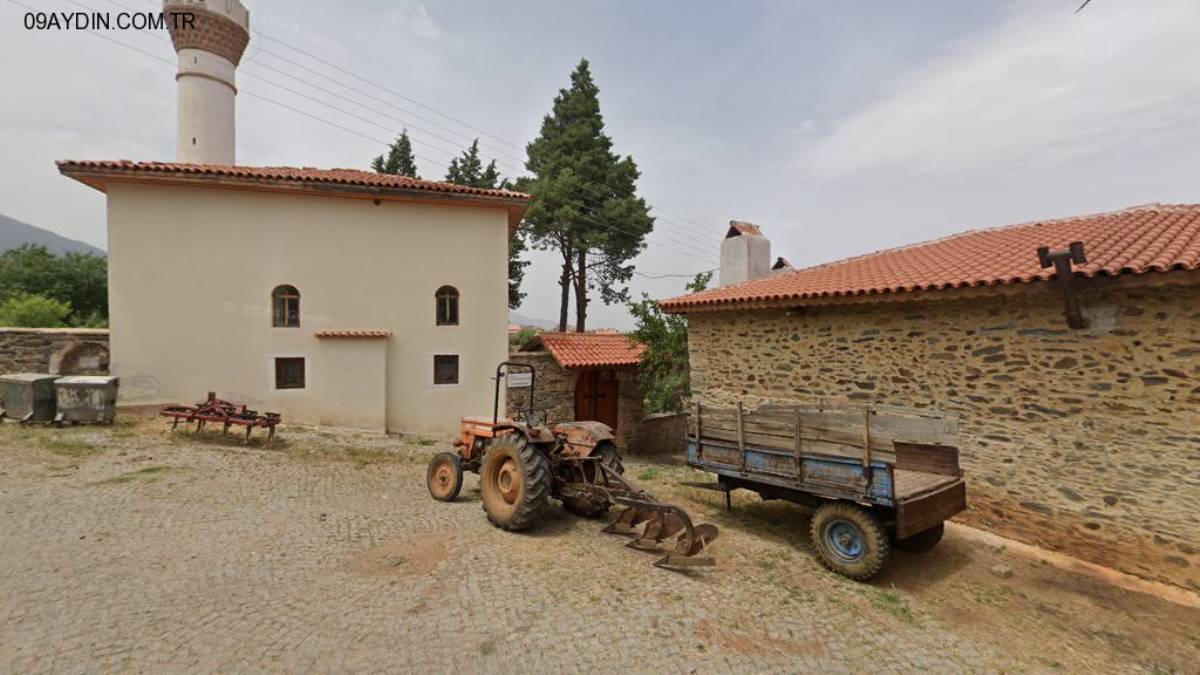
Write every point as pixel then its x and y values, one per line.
pixel 875 476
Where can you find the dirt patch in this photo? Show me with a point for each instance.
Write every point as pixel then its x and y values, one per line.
pixel 398 558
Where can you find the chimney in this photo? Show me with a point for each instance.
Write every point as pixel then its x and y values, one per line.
pixel 210 37
pixel 745 254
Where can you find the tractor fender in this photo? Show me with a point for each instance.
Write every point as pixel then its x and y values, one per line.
pixel 581 438
pixel 533 434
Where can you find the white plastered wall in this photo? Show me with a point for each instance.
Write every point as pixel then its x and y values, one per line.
pixel 191 271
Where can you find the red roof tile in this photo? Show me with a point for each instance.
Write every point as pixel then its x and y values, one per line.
pixel 740 227
pixel 347 177
pixel 589 350
pixel 369 334
pixel 1151 238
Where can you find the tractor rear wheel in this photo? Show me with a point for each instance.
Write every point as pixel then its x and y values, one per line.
pixel 515 482
pixel 591 507
pixel 444 478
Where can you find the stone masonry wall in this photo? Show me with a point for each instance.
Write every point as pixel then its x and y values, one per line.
pixel 662 434
pixel 57 351
pixel 1083 441
pixel 556 395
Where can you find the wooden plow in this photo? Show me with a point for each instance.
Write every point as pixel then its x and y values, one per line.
pixel 224 413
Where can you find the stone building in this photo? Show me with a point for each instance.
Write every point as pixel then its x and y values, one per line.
pixel 1082 439
pixel 584 376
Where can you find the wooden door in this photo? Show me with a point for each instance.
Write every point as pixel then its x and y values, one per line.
pixel 596 397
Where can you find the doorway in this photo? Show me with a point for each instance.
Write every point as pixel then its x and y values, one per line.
pixel 596 397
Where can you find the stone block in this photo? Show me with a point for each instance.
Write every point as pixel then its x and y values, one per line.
pixel 28 396
pixel 86 398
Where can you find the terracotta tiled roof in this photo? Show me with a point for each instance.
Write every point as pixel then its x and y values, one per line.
pixel 742 227
pixel 1151 238
pixel 370 334
pixel 589 350
pixel 346 177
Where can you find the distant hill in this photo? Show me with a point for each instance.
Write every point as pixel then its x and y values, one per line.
pixel 522 320
pixel 14 233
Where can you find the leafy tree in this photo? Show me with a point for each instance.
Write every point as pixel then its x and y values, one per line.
pixel 78 279
pixel 665 374
pixel 399 159
pixel 586 206
pixel 468 169
pixel 25 310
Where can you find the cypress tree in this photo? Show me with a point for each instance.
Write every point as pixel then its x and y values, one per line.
pixel 399 159
pixel 586 205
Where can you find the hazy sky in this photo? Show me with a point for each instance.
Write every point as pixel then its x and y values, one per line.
pixel 839 127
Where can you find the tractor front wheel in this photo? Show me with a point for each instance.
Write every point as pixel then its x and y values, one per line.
pixel 514 483
pixel 850 540
pixel 445 476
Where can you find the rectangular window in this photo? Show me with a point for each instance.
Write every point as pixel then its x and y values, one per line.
pixel 445 369
pixel 289 373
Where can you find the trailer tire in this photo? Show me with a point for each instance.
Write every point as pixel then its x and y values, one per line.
pixel 849 539
pixel 514 482
pixel 591 507
pixel 922 541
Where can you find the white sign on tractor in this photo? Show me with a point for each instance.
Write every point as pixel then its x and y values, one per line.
pixel 519 380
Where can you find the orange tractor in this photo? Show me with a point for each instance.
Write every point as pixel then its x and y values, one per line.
pixel 522 464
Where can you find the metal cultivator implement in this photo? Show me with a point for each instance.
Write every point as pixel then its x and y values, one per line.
pixel 224 413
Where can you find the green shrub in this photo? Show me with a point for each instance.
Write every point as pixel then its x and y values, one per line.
pixel 23 310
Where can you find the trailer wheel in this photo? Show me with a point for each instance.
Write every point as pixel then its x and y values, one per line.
pixel 444 478
pixel 591 507
pixel 514 482
pixel 922 541
pixel 849 539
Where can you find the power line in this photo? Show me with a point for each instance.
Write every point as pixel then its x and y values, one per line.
pixel 358 77
pixel 669 236
pixel 707 253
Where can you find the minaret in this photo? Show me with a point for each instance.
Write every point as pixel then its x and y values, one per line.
pixel 210 37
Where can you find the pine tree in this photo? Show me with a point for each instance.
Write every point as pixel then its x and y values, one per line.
pixel 467 170
pixel 586 205
pixel 399 159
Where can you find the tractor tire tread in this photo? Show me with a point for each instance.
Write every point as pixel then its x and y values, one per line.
pixel 536 470
pixel 879 546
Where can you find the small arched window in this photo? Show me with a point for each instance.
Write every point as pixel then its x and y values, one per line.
pixel 447 306
pixel 285 307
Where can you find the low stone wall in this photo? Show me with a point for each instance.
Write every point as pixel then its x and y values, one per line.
pixel 57 351
pixel 661 434
pixel 1082 441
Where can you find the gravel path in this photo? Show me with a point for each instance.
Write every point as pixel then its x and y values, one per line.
pixel 129 549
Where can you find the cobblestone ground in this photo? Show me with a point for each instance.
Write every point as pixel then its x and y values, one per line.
pixel 130 549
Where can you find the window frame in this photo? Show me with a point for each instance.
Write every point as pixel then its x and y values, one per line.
pixel 277 361
pixel 453 299
pixel 285 293
pixel 457 370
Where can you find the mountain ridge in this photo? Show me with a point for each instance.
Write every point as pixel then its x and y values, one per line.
pixel 14 233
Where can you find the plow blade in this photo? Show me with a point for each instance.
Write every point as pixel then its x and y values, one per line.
pixel 652 524
pixel 662 523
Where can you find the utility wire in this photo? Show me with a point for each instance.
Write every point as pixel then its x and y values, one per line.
pixel 669 236
pixel 345 112
pixel 666 222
